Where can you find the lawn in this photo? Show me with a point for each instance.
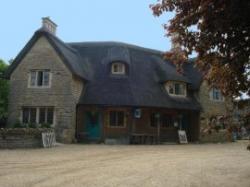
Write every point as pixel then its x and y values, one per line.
pixel 222 165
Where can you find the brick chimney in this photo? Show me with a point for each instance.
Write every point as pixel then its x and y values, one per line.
pixel 49 25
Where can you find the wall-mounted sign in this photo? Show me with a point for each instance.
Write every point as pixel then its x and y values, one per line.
pixel 137 113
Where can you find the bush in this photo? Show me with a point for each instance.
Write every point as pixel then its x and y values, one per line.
pixel 45 125
pixel 3 122
pixel 31 125
pixel 18 124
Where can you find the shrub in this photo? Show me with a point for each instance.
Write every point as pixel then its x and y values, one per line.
pixel 45 125
pixel 31 125
pixel 18 124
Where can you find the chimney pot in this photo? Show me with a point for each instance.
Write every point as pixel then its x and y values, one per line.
pixel 49 25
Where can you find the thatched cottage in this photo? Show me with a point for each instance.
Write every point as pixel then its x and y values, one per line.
pixel 99 90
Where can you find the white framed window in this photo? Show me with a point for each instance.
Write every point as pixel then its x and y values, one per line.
pixel 118 68
pixel 38 115
pixel 175 88
pixel 216 95
pixel 39 79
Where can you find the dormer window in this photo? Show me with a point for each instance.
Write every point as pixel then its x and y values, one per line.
pixel 118 68
pixel 216 95
pixel 175 88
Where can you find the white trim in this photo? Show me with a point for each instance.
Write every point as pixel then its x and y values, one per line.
pixel 167 88
pixel 38 114
pixel 42 86
pixel 122 66
pixel 211 95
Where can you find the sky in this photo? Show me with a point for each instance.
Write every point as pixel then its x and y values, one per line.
pixel 129 21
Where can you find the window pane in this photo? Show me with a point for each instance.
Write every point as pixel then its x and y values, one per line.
pixel 46 78
pixel 32 78
pixel 217 94
pixel 167 120
pixel 214 94
pixel 153 120
pixel 50 115
pixel 32 115
pixel 112 118
pixel 40 78
pixel 25 115
pixel 42 115
pixel 120 118
pixel 118 68
pixel 182 87
pixel 177 89
pixel 115 67
pixel 171 89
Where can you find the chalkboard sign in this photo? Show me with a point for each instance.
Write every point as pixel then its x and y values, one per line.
pixel 182 136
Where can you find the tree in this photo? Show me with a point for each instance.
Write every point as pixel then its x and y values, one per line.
pixel 219 32
pixel 4 90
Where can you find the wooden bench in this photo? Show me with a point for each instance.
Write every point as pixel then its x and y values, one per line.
pixel 136 138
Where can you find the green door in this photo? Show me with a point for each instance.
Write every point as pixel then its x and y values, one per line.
pixel 92 124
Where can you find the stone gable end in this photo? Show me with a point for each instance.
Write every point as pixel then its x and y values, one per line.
pixel 63 94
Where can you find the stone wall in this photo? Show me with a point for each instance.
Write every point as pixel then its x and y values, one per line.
pixel 212 108
pixel 21 138
pixel 215 137
pixel 62 94
pixel 77 87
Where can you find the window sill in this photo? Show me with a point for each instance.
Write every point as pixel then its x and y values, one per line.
pixel 117 127
pixel 39 87
pixel 118 73
pixel 217 101
pixel 174 95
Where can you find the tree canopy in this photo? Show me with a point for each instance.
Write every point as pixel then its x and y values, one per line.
pixel 4 90
pixel 219 32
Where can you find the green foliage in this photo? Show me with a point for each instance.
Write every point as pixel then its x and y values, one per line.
pixel 45 125
pixel 18 124
pixel 4 90
pixel 218 32
pixel 31 125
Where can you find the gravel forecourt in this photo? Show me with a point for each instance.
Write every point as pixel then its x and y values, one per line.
pixel 192 165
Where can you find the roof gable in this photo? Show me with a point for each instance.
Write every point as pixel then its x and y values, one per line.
pixel 68 55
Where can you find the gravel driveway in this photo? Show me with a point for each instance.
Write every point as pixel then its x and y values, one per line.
pixel 222 165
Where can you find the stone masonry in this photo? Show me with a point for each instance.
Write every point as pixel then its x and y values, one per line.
pixel 212 108
pixel 63 94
